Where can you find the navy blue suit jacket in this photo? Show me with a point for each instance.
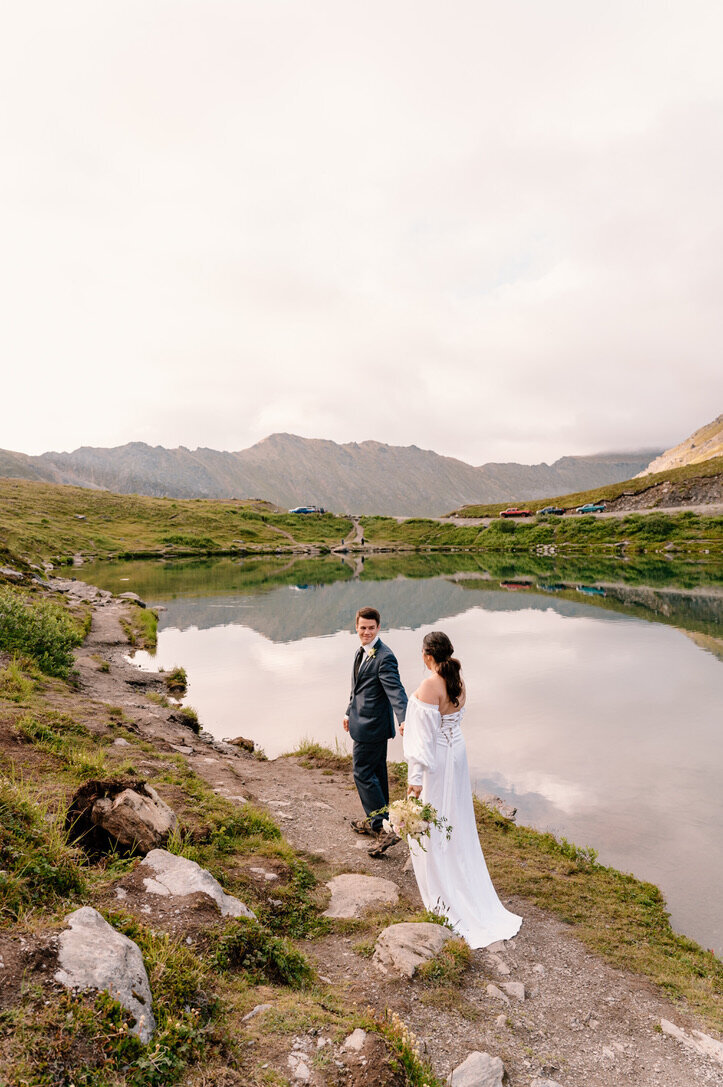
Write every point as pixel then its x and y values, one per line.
pixel 376 696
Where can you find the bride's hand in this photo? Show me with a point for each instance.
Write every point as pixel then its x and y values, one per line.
pixel 414 790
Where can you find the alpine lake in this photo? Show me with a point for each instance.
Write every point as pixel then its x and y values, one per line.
pixel 595 687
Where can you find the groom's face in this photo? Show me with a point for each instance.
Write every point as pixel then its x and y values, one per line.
pixel 367 629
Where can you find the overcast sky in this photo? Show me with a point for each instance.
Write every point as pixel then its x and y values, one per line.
pixel 493 229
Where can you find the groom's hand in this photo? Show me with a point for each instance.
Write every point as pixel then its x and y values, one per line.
pixel 345 723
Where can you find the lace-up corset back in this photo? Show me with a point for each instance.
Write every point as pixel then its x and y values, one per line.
pixel 449 725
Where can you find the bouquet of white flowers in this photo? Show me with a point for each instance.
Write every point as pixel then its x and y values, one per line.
pixel 411 818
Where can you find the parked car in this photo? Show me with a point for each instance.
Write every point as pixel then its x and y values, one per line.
pixel 307 509
pixel 551 509
pixel 591 507
pixel 514 512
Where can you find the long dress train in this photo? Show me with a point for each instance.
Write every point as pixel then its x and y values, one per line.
pixel 451 874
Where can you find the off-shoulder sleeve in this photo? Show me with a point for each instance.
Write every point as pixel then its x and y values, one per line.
pixel 420 739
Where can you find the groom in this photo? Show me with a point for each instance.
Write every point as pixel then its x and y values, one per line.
pixel 376 695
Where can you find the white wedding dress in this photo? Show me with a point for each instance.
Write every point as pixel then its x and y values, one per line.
pixel 451 874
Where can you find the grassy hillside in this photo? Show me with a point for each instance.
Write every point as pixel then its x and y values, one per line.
pixel 50 521
pixel 609 493
pixel 672 532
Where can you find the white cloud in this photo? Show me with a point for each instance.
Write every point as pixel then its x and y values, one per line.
pixel 493 230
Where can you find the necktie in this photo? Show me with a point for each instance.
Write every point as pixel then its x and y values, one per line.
pixel 358 661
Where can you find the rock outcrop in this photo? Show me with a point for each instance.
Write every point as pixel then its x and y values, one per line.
pixel 166 874
pixel 353 895
pixel 402 948
pixel 123 815
pixel 92 955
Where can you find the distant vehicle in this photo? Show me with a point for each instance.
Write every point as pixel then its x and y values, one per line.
pixel 591 590
pixel 552 509
pixel 308 509
pixel 591 507
pixel 514 512
pixel 515 586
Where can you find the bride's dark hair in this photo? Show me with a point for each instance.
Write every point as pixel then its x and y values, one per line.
pixel 439 647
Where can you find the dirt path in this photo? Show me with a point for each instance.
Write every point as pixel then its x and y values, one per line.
pixel 581 1022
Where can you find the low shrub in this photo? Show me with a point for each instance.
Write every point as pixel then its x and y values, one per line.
pixel 249 947
pixel 38 629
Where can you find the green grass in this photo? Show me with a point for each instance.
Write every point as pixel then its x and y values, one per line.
pixel 684 533
pixel 15 683
pixel 249 947
pixel 619 917
pixel 315 754
pixel 176 681
pixel 39 629
pixel 141 627
pixel 70 743
pixel 611 491
pixel 41 521
pixel 38 868
pixel 188 716
pixel 448 966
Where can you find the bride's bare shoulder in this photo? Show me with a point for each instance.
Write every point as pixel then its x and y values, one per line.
pixel 430 690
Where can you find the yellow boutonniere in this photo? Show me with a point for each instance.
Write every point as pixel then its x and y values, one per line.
pixel 372 654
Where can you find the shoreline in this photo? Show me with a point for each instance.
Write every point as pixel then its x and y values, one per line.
pixel 583 1018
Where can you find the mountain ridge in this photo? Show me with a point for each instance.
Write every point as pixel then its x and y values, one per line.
pixel 704 444
pixel 360 477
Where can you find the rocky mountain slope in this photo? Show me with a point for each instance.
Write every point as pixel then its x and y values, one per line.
pixel 367 477
pixel 702 445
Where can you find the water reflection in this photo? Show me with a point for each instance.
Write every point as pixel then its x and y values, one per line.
pixel 597 714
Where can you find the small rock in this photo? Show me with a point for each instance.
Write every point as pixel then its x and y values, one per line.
pixel 696 1040
pixel 402 948
pixel 500 965
pixel 498 804
pixel 182 749
pixel 544 1083
pixel 14 575
pixel 92 955
pixel 179 876
pixel 256 1011
pixel 608 1053
pixel 538 968
pixel 120 742
pixel 493 991
pixel 515 989
pixel 352 895
pixel 478 1070
pixel 356 1040
pixel 501 1021
pixel 240 741
pixel 132 596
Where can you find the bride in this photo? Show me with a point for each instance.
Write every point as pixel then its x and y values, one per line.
pixel 451 873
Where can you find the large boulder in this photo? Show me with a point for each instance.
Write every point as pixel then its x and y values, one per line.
pixel 352 894
pixel 478 1070
pixel 165 874
pixel 402 948
pixel 122 815
pixel 92 955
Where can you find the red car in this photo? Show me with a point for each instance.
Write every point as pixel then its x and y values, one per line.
pixel 514 512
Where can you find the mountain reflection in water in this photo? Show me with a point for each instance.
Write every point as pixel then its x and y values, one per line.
pixel 596 714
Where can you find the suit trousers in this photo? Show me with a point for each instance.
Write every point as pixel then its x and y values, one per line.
pixel 370 778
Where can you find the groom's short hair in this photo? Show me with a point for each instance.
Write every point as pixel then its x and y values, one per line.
pixel 368 613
